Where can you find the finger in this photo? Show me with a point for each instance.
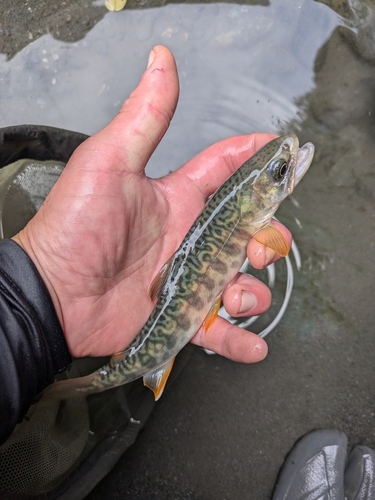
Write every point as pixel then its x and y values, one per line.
pixel 232 342
pixel 132 136
pixel 246 296
pixel 210 168
pixel 261 256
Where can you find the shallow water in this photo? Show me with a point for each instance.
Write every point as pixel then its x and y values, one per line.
pixel 240 71
pixel 224 429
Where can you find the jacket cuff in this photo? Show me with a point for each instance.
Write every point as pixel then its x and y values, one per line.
pixel 35 323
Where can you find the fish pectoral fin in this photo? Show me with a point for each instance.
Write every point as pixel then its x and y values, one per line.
pixel 160 279
pixel 211 316
pixel 272 238
pixel 157 379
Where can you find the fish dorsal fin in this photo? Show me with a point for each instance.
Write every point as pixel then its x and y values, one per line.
pixel 272 238
pixel 159 281
pixel 211 316
pixel 157 379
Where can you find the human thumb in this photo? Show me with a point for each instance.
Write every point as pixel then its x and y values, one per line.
pixel 132 136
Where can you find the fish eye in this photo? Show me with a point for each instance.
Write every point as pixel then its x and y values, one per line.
pixel 278 169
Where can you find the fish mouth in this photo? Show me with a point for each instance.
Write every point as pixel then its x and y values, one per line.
pixel 305 156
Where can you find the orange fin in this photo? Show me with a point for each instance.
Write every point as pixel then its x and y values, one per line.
pixel 157 379
pixel 272 238
pixel 116 359
pixel 159 281
pixel 211 316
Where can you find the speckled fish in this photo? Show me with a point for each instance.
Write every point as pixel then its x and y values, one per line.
pixel 189 286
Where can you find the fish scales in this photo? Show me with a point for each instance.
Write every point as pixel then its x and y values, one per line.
pixel 208 258
pixel 201 269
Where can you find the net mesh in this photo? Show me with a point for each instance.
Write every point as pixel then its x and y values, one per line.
pixel 23 188
pixel 69 445
pixel 45 447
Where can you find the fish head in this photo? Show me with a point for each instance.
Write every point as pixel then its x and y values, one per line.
pixel 276 170
pixel 286 166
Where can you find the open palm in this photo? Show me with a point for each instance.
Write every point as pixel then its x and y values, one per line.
pixel 106 229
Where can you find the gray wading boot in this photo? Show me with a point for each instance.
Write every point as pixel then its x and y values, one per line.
pixel 317 469
pixel 359 477
pixel 61 449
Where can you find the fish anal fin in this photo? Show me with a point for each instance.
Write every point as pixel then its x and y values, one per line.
pixel 211 316
pixel 157 379
pixel 272 238
pixel 159 280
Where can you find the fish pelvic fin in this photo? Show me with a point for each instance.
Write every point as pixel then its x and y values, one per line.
pixel 211 316
pixel 117 358
pixel 157 379
pixel 272 238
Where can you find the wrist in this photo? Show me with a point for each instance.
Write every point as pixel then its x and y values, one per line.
pixel 24 242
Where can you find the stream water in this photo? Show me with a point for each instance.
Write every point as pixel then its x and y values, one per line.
pixel 241 69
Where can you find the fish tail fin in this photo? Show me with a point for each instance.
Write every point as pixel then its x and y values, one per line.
pixel 73 388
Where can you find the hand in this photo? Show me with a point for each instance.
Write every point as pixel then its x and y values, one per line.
pixel 106 229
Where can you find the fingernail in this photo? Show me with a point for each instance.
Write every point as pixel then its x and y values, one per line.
pixel 260 350
pixel 248 302
pixel 151 58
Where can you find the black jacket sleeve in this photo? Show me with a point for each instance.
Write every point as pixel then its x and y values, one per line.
pixel 32 343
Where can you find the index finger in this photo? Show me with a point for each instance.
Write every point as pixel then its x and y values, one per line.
pixel 213 166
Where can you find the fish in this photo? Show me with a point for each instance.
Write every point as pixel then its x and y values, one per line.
pixel 189 286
